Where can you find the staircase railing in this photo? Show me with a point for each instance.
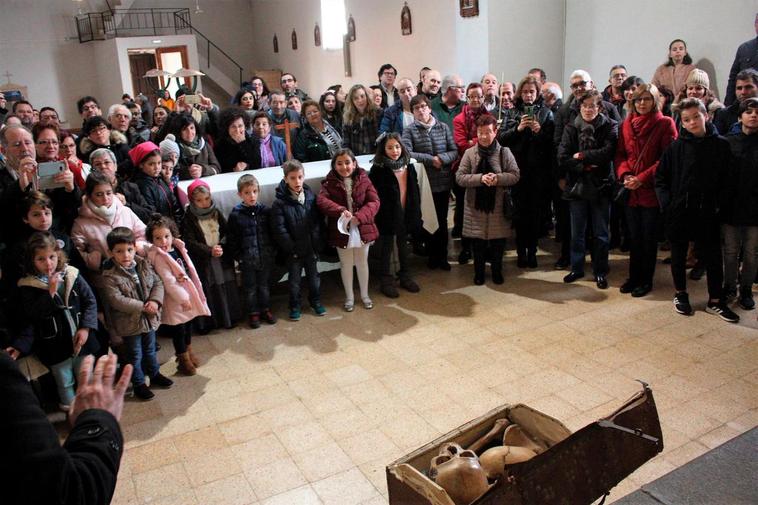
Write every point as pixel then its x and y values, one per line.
pixel 145 22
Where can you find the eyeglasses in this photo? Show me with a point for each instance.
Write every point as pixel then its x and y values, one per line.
pixel 47 142
pixel 421 106
pixel 579 84
pixel 99 129
pixel 475 97
pixel 289 79
pixel 644 99
pixel 389 72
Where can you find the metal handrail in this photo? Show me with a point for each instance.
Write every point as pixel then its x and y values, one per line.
pixel 100 25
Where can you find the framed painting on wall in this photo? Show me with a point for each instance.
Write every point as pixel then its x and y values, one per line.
pixel 276 44
pixel 469 8
pixel 351 29
pixel 294 40
pixel 317 36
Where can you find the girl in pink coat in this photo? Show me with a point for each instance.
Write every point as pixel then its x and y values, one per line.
pixel 102 211
pixel 184 299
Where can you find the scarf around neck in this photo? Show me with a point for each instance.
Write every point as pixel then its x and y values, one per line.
pixel 484 198
pixel 202 213
pixel 108 214
pixel 195 147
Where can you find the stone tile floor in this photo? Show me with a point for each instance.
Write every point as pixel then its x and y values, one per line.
pixel 311 412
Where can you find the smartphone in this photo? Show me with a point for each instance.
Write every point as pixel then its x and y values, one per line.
pixel 191 99
pixel 529 111
pixel 46 173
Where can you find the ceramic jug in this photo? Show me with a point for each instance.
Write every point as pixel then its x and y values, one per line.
pixel 459 473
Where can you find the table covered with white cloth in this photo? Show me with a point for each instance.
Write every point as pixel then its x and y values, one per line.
pixel 224 186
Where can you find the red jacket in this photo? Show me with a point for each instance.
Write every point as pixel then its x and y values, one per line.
pixel 635 132
pixel 464 131
pixel 332 201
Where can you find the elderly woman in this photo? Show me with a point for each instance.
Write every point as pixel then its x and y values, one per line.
pixel 528 131
pixel 273 149
pixel 196 158
pixel 464 136
pixel 486 170
pixel 585 155
pixel 317 140
pixel 104 162
pixel 361 121
pixel 235 149
pixel 431 142
pixel 674 72
pixel 643 138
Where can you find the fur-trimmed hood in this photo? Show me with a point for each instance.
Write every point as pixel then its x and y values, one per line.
pixel 116 137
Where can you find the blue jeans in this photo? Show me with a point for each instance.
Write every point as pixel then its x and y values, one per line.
pixel 64 374
pixel 643 244
pixel 140 353
pixel 256 285
pixel 295 268
pixel 580 211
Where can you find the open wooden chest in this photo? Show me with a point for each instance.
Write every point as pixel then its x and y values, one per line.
pixel 577 468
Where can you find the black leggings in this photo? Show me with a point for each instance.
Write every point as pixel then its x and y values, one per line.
pixel 709 255
pixel 181 335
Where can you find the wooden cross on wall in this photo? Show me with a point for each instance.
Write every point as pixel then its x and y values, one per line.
pixel 8 76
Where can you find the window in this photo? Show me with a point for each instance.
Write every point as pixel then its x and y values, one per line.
pixel 334 26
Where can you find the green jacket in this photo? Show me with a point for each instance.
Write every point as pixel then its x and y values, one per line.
pixel 445 114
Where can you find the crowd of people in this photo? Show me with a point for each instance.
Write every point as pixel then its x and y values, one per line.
pixel 101 254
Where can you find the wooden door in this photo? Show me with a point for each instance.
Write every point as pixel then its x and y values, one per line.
pixel 139 64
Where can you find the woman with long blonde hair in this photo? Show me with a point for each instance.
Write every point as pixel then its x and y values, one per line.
pixel 360 121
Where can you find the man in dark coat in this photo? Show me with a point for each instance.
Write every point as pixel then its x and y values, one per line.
pixel 387 75
pixel 746 57
pixel 34 468
pixel 746 86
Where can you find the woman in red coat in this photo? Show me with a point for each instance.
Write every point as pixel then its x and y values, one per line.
pixel 464 136
pixel 643 138
pixel 348 196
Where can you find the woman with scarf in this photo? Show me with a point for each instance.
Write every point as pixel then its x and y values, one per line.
pixel 528 131
pixel 486 170
pixel 585 155
pixel 273 149
pixel 196 158
pixel 464 136
pixel 361 120
pixel 236 148
pixel 331 109
pixel 645 134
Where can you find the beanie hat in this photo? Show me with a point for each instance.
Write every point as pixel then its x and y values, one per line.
pixel 140 152
pixel 196 184
pixel 169 146
pixel 698 78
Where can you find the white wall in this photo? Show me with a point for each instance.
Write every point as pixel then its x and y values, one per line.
pixel 524 35
pixel 601 33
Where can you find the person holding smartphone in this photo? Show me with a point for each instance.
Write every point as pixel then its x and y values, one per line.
pixel 528 131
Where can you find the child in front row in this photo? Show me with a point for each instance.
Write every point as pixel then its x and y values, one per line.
pixel 59 310
pixel 133 294
pixel 296 230
pixel 204 231
pixel 249 242
pixel 184 299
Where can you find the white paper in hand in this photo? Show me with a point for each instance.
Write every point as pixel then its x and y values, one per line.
pixel 343 224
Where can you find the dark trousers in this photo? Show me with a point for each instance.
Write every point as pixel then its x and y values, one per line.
pixel 488 249
pixel 257 290
pixel 709 255
pixel 436 243
pixel 528 220
pixel 181 336
pixel 563 225
pixel 643 245
pixel 460 197
pixel 386 245
pixel 597 213
pixel 618 228
pixel 295 268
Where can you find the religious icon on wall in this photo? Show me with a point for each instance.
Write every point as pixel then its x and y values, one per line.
pixel 276 44
pixel 351 29
pixel 317 36
pixel 294 40
pixel 469 8
pixel 406 25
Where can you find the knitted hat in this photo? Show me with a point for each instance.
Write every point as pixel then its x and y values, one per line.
pixel 169 146
pixel 196 184
pixel 140 151
pixel 698 78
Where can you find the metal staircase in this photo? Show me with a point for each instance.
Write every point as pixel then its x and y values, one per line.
pixel 111 23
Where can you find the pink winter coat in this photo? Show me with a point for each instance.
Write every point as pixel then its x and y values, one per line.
pixel 176 291
pixel 90 230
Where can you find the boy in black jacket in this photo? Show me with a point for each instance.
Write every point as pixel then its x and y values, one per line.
pixel 296 230
pixel 249 241
pixel 689 183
